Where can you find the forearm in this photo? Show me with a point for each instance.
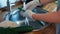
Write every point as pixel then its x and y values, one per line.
pixel 49 17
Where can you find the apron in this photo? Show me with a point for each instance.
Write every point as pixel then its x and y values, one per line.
pixel 58 25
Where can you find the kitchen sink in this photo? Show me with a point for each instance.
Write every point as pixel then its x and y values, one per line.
pixel 35 24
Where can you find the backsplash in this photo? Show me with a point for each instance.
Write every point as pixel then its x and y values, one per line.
pixel 3 3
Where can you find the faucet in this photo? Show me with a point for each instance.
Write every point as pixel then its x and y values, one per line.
pixel 24 8
pixel 7 15
pixel 24 4
pixel 8 5
pixel 12 15
pixel 15 15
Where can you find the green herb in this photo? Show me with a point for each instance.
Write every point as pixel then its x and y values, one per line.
pixel 22 29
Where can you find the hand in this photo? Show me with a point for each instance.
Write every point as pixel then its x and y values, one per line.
pixel 6 24
pixel 28 13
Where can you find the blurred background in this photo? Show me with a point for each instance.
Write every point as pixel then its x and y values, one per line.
pixel 15 4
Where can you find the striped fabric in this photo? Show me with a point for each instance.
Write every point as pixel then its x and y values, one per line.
pixel 58 5
pixel 58 25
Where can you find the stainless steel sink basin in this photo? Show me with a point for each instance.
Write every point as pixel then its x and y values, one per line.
pixel 35 24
